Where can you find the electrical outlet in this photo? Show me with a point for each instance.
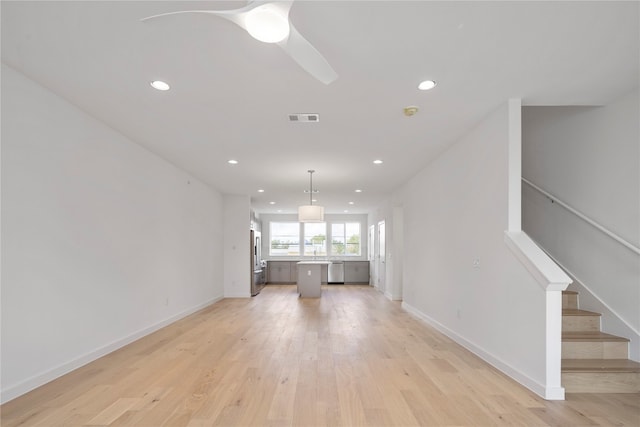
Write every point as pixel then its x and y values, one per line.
pixel 308 272
pixel 476 263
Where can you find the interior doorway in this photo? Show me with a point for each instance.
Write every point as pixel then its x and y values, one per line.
pixel 382 257
pixel 373 280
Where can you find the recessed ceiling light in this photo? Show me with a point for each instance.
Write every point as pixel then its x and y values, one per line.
pixel 314 200
pixel 351 203
pixel 346 211
pixel 426 85
pixel 160 85
pixel 260 190
pixel 232 162
pixel 279 210
pixel 272 203
pixel 358 191
pixel 377 162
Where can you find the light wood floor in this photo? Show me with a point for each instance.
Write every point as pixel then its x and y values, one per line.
pixel 350 358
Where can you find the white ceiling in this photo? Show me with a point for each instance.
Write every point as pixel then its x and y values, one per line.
pixel 231 95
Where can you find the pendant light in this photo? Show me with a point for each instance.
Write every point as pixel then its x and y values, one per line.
pixel 311 212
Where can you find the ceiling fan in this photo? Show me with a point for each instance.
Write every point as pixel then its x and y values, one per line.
pixel 268 21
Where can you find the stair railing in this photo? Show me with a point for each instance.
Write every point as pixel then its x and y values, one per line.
pixel 582 216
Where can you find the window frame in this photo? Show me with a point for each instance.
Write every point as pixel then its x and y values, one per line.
pixel 345 239
pixel 304 239
pixel 271 235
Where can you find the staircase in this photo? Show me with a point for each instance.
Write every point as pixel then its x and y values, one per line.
pixel 593 361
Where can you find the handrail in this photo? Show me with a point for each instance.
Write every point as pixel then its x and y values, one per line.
pixel 583 217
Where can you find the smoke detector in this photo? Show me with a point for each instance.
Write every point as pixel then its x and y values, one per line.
pixel 304 118
pixel 410 110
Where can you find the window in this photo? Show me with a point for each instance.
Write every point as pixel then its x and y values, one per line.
pixel 285 238
pixel 315 239
pixel 345 238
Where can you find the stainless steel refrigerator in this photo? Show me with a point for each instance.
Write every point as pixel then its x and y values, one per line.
pixel 258 273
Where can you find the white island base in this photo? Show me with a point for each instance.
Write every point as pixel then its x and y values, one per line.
pixel 309 278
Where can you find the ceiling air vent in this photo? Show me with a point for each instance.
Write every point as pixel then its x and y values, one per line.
pixel 304 118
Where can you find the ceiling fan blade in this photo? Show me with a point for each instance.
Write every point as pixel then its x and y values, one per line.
pixel 295 45
pixel 237 16
pixel 308 56
pixel 234 15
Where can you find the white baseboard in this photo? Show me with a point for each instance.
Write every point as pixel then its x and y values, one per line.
pixel 549 393
pixel 237 295
pixel 391 297
pixel 38 380
pixel 554 393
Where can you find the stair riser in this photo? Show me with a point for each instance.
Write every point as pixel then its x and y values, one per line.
pixel 569 301
pixel 595 350
pixel 580 323
pixel 597 382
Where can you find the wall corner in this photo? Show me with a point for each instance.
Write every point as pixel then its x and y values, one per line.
pixel 514 199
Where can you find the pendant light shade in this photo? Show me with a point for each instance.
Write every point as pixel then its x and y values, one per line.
pixel 311 212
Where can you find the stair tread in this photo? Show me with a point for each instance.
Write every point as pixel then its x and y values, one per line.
pixel 569 293
pixel 600 365
pixel 578 312
pixel 593 336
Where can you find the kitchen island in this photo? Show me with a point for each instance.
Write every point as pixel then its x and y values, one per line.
pixel 309 278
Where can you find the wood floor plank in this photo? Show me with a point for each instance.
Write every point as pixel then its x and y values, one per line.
pixel 282 403
pixel 350 358
pixel 113 412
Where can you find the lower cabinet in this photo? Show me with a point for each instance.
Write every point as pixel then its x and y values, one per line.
pixel 287 272
pixel 279 272
pixel 356 272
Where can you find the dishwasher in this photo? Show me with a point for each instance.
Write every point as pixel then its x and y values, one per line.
pixel 336 273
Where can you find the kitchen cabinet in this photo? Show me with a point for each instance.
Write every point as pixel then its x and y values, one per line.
pixel 356 272
pixel 287 272
pixel 280 272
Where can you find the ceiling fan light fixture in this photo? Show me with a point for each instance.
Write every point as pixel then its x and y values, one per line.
pixel 267 25
pixel 268 21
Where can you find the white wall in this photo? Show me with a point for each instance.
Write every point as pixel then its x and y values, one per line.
pixel 394 277
pixel 102 241
pixel 237 246
pixel 589 157
pixel 455 215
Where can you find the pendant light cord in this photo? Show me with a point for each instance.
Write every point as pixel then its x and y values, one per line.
pixel 311 187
